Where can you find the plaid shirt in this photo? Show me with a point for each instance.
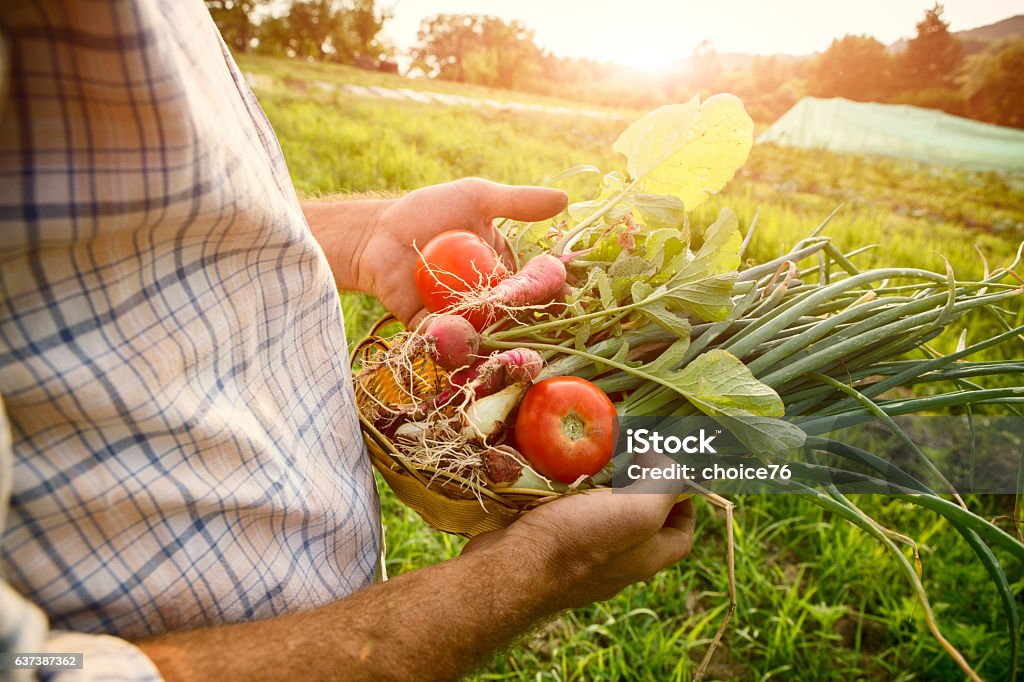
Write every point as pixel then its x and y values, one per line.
pixel 184 449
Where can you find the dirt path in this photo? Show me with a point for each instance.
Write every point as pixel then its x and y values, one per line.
pixel 257 81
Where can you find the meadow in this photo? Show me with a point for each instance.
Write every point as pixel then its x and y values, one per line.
pixel 818 598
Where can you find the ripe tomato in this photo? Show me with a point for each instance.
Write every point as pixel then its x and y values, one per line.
pixel 458 261
pixel 567 428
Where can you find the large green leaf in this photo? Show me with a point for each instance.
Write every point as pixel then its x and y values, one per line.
pixel 764 435
pixel 703 287
pixel 656 211
pixel 718 383
pixel 666 319
pixel 670 357
pixel 720 252
pixel 708 299
pixel 688 150
pixel 654 137
pixel 721 386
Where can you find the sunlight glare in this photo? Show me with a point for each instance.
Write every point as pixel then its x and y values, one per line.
pixel 647 44
pixel 648 59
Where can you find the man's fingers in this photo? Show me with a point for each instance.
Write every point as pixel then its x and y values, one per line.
pixel 673 545
pixel 682 516
pixel 673 542
pixel 524 202
pixel 517 202
pixel 417 319
pixel 656 498
pixel 498 241
pixel 647 483
pixel 662 549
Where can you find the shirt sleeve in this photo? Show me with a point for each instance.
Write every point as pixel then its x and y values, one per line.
pixel 24 628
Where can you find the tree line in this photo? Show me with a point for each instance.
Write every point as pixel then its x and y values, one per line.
pixel 326 30
pixel 934 69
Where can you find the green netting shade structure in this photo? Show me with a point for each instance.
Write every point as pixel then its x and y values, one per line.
pixel 897 130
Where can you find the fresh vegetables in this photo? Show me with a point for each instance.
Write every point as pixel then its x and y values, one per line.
pixel 453 263
pixel 671 318
pixel 461 274
pixel 566 428
pixel 539 282
pixel 503 464
pixel 452 341
pixel 487 375
pixel 485 419
pixel 518 364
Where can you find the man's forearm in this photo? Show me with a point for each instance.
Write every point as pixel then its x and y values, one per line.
pixel 435 623
pixel 342 229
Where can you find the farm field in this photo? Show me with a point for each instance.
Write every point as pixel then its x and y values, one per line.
pixel 818 598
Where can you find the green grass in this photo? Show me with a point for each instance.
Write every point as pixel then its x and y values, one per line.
pixel 339 143
pixel 818 598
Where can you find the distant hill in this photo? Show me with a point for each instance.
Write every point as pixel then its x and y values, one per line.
pixel 1007 28
pixel 740 60
pixel 975 39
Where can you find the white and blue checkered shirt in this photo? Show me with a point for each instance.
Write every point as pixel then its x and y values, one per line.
pixel 184 449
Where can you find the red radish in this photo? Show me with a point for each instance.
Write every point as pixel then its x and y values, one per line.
pixel 559 302
pixel 540 281
pixel 503 367
pixel 520 364
pixel 482 383
pixel 452 341
pixel 489 375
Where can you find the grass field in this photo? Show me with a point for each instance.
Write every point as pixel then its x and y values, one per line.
pixel 818 598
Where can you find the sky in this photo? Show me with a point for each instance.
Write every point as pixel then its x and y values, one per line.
pixel 652 33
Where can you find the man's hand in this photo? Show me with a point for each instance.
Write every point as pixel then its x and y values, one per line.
pixel 598 542
pixel 369 244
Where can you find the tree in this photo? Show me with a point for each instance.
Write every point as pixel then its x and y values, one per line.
pixel 705 67
pixel 768 88
pixel 472 48
pixel 995 94
pixel 311 27
pixel 364 24
pixel 325 30
pixel 932 56
pixel 235 19
pixel 855 67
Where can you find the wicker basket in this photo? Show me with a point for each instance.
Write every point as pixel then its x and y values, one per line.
pixel 445 501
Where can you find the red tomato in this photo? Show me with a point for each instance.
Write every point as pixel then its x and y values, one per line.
pixel 566 428
pixel 459 261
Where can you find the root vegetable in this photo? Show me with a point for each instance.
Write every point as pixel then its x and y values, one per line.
pixel 540 281
pixel 452 341
pixel 475 379
pixel 519 364
pixel 487 375
pixel 485 419
pixel 503 464
pixel 411 431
